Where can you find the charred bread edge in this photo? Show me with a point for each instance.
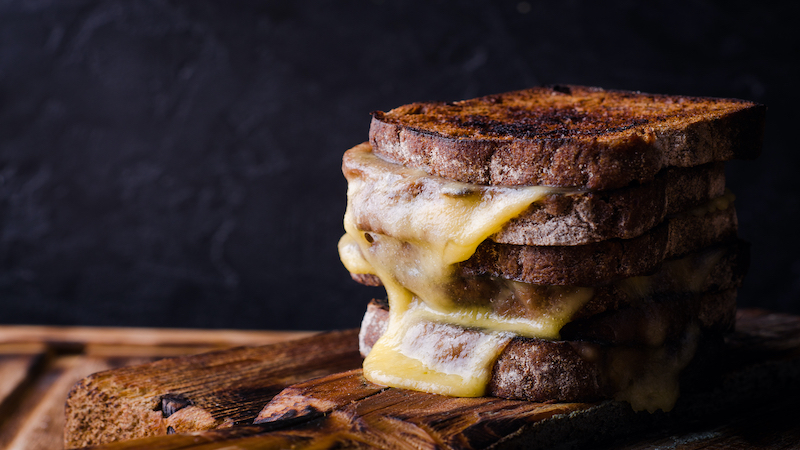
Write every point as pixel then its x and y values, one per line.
pixel 575 162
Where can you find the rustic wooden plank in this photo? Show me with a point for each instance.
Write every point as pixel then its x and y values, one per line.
pixel 19 365
pixel 242 438
pixel 770 424
pixel 343 411
pixel 146 351
pixel 212 390
pixel 426 420
pixel 146 337
pixel 317 397
pixel 38 365
pixel 16 367
pixel 431 421
pixel 38 422
pixel 413 420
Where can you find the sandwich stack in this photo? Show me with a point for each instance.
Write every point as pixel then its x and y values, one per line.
pixel 560 243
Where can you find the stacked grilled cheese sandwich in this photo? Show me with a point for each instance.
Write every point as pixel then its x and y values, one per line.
pixel 559 243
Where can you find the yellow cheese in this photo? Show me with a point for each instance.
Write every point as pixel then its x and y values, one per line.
pixel 645 377
pixel 409 229
pixel 420 354
pixel 720 203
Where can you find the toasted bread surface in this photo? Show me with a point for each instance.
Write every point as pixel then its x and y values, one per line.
pixel 729 265
pixel 622 213
pixel 649 323
pixel 589 216
pixel 582 367
pixel 732 265
pixel 567 136
pixel 605 261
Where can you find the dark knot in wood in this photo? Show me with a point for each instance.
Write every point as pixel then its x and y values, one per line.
pixel 172 403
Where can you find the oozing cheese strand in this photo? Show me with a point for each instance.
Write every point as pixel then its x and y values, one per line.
pixel 410 229
pixel 417 227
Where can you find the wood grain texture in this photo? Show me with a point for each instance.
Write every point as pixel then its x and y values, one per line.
pixel 15 369
pixel 39 365
pixel 43 424
pixel 213 390
pixel 142 337
pixel 316 397
pixel 342 410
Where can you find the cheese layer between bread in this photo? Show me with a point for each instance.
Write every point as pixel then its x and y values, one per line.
pixel 411 229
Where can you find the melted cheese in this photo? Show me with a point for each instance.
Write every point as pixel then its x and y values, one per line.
pixel 720 203
pixel 421 354
pixel 645 377
pixel 410 229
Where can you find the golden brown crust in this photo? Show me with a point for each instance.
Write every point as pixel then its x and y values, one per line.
pixel 580 371
pixel 567 136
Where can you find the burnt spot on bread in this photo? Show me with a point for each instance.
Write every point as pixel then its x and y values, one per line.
pixel 546 123
pixel 172 403
pixel 562 89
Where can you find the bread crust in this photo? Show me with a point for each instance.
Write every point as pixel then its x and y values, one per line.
pixel 602 262
pixel 594 216
pixel 571 136
pixel 615 214
pixel 598 263
pixel 649 323
pixel 730 265
pixel 728 272
pixel 581 368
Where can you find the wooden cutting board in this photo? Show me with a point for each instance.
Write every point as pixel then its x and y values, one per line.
pixel 268 397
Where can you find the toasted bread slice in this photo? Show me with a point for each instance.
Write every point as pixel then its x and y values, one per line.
pixel 651 323
pixel 568 136
pixel 622 213
pixel 712 269
pixel 598 263
pixel 602 262
pixel 591 369
pixel 588 216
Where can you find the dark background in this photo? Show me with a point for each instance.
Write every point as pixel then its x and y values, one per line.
pixel 178 163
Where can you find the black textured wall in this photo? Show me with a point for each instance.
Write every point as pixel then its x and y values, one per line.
pixel 177 163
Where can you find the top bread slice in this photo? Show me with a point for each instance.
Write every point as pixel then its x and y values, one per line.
pixel 570 136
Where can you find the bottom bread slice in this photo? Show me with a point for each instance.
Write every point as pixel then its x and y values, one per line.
pixel 612 355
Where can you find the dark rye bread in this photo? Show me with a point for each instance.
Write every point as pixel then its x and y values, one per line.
pixel 584 370
pixel 729 268
pixel 668 286
pixel 651 324
pixel 597 263
pixel 568 371
pixel 602 262
pixel 567 136
pixel 589 216
pixel 619 213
